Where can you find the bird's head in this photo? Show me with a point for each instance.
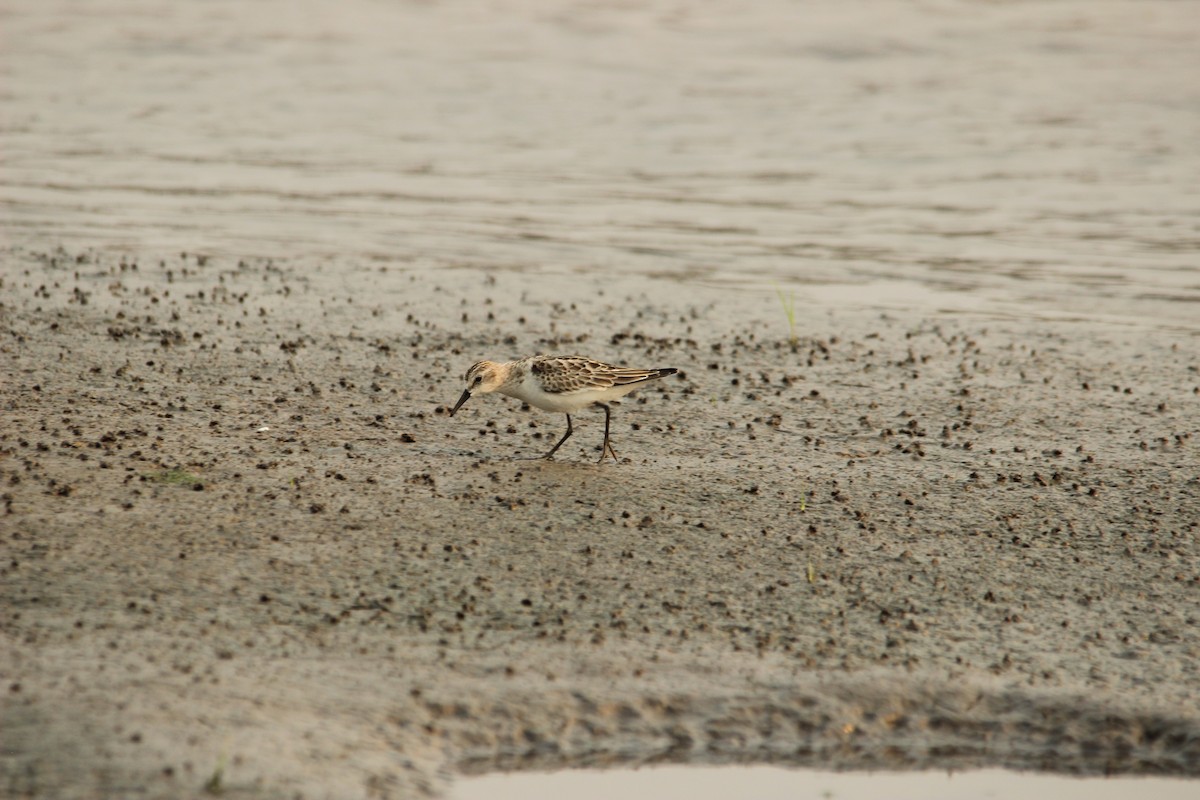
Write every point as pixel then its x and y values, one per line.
pixel 483 377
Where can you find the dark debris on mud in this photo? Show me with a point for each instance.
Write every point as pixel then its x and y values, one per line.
pixel 208 464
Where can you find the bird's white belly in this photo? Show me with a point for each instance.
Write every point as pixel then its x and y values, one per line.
pixel 565 402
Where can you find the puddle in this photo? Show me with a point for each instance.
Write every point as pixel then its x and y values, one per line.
pixel 777 783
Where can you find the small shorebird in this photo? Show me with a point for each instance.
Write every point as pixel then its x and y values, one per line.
pixel 559 383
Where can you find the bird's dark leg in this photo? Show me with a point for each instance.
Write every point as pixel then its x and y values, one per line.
pixel 607 448
pixel 566 436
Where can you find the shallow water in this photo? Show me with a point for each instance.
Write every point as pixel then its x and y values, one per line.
pixel 1027 158
pixel 776 783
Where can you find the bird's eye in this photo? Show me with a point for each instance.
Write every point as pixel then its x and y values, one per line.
pixel 478 380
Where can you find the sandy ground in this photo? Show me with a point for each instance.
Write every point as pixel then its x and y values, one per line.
pixel 244 546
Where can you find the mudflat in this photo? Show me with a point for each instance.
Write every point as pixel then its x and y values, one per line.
pixel 246 547
pixel 924 493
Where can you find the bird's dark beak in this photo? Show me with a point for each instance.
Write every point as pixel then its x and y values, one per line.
pixel 466 395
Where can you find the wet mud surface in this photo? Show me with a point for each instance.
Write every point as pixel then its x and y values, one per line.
pixel 945 516
pixel 243 538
